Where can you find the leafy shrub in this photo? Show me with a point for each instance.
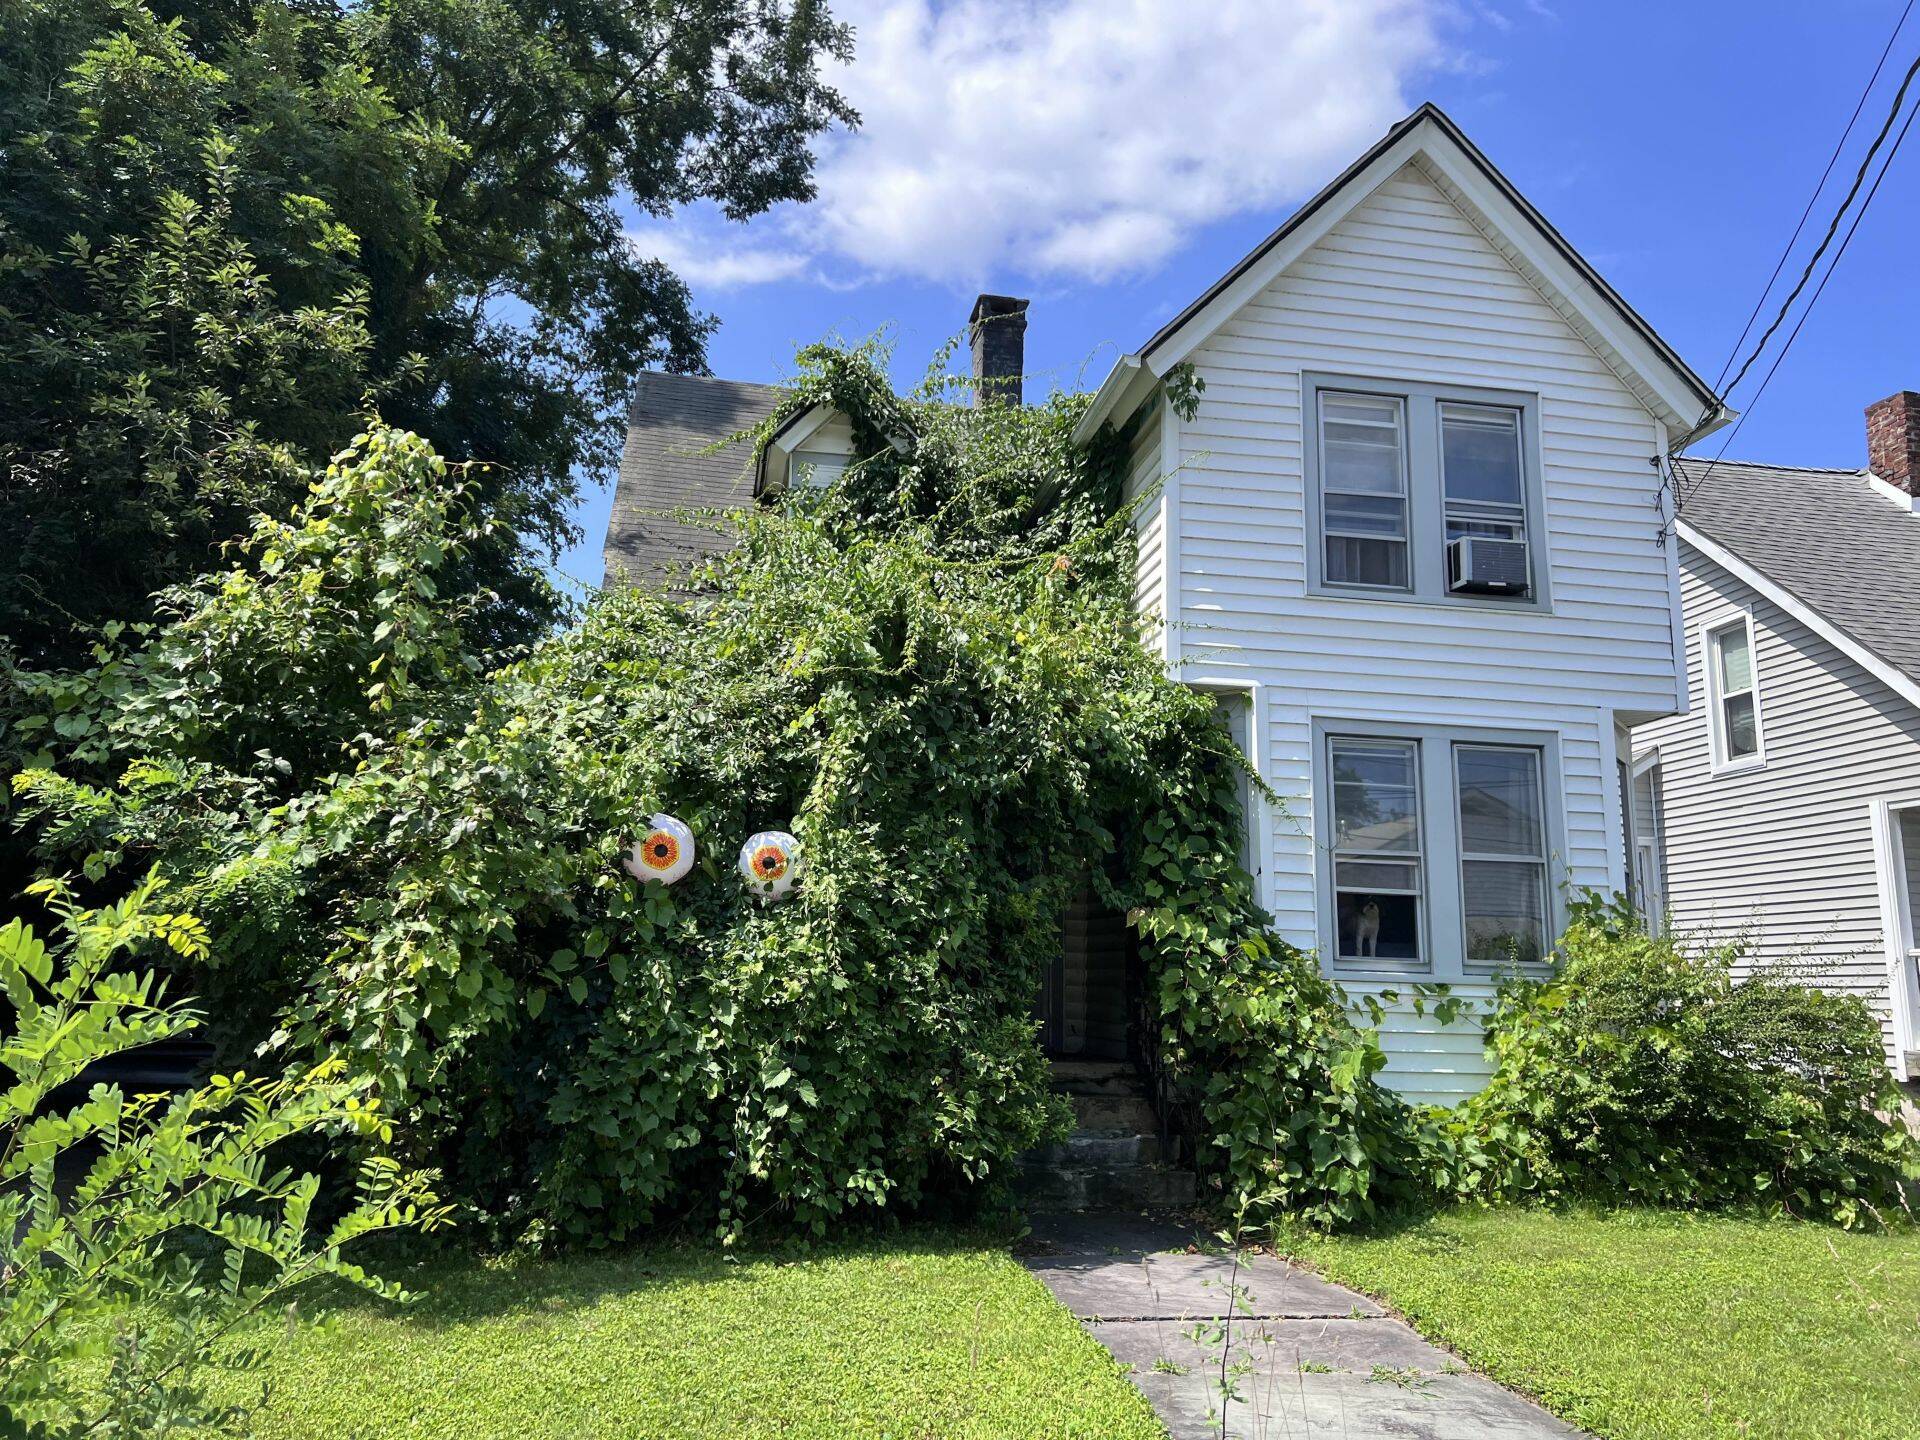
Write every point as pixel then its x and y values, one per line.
pixel 111 1310
pixel 933 676
pixel 1646 1070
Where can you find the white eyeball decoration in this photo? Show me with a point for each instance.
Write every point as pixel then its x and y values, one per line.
pixel 771 863
pixel 664 853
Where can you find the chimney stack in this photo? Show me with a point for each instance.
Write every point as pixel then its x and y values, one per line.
pixel 997 330
pixel 1893 441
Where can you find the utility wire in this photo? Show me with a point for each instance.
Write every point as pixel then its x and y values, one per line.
pixel 1859 179
pixel 1801 224
pixel 1838 255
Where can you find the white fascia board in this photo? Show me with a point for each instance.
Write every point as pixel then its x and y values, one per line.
pixel 1894 679
pixel 1202 326
pixel 1680 406
pixel 1125 386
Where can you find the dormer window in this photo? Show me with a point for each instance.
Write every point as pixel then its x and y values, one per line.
pixel 1425 492
pixel 816 470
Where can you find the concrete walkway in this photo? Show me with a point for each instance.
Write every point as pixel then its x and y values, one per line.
pixel 1306 1360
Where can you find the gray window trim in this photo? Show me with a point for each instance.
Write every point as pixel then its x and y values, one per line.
pixel 1427 558
pixel 1444 919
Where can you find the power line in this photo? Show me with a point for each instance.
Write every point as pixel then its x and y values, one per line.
pixel 1793 239
pixel 1866 164
pixel 1838 255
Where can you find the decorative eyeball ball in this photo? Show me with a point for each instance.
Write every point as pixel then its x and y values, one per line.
pixel 664 853
pixel 771 863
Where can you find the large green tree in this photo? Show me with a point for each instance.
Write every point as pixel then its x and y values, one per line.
pixel 230 227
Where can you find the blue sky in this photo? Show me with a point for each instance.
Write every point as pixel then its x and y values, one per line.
pixel 1110 158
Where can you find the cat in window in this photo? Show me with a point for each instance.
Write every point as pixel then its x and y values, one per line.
pixel 1367 930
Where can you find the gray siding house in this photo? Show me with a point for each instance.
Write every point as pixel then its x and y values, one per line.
pixel 1782 805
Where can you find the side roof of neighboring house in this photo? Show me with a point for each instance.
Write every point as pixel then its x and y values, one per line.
pixel 666 467
pixel 1841 545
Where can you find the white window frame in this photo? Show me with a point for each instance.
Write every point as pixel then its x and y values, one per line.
pixel 1721 762
pixel 1544 859
pixel 1407 540
pixel 1902 944
pixel 1418 857
pixel 1422 458
pixel 1443 901
pixel 1258 855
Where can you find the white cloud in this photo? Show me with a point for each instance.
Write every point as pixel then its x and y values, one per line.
pixel 715 266
pixel 1077 139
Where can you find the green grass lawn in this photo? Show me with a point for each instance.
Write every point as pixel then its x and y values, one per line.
pixel 1660 1327
pixel 915 1338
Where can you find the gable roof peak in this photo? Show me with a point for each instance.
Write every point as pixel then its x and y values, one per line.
pixel 1429 137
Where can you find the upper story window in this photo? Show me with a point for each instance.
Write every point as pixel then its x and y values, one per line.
pixel 1733 686
pixel 817 469
pixel 1426 492
pixel 1363 489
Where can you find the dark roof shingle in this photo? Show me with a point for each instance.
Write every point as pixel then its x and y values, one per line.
pixel 662 469
pixel 1831 538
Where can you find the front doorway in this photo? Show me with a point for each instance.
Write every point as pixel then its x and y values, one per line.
pixel 1085 999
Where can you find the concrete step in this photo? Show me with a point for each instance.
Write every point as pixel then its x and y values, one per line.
pixel 1097 1077
pixel 1081 1149
pixel 1114 1115
pixel 1105 1187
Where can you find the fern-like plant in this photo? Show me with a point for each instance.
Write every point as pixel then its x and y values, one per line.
pixel 139 1233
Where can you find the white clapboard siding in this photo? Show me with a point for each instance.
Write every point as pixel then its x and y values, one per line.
pixel 1784 855
pixel 1407 288
pixel 1147 492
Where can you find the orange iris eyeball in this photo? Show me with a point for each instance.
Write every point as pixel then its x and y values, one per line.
pixel 665 853
pixel 770 863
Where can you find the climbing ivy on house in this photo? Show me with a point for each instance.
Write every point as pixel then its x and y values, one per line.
pixel 933 677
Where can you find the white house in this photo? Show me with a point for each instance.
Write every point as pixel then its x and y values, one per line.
pixel 1783 807
pixel 1416 526
pixel 1414 534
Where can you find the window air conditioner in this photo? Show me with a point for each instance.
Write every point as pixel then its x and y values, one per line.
pixel 1481 565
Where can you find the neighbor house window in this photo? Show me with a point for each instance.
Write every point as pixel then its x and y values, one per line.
pixel 1377 888
pixel 1363 490
pixel 1735 693
pixel 1503 853
pixel 1910 861
pixel 817 469
pixel 1425 492
pixel 1482 472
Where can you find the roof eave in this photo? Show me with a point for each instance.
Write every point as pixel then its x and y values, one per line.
pixel 1669 388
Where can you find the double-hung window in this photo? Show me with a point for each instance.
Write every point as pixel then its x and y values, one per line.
pixel 1482 472
pixel 1503 854
pixel 1425 492
pixel 1376 850
pixel 1734 694
pixel 1438 846
pixel 1363 490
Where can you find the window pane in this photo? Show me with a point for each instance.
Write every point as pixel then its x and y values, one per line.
pixel 1506 906
pixel 1736 659
pixel 1367 514
pixel 1376 875
pixel 817 470
pixel 1742 738
pixel 1360 445
pixel 1366 562
pixel 1480 454
pixel 1376 802
pixel 1501 810
pixel 1377 927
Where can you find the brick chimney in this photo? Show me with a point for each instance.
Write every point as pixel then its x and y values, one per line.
pixel 1893 440
pixel 997 330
